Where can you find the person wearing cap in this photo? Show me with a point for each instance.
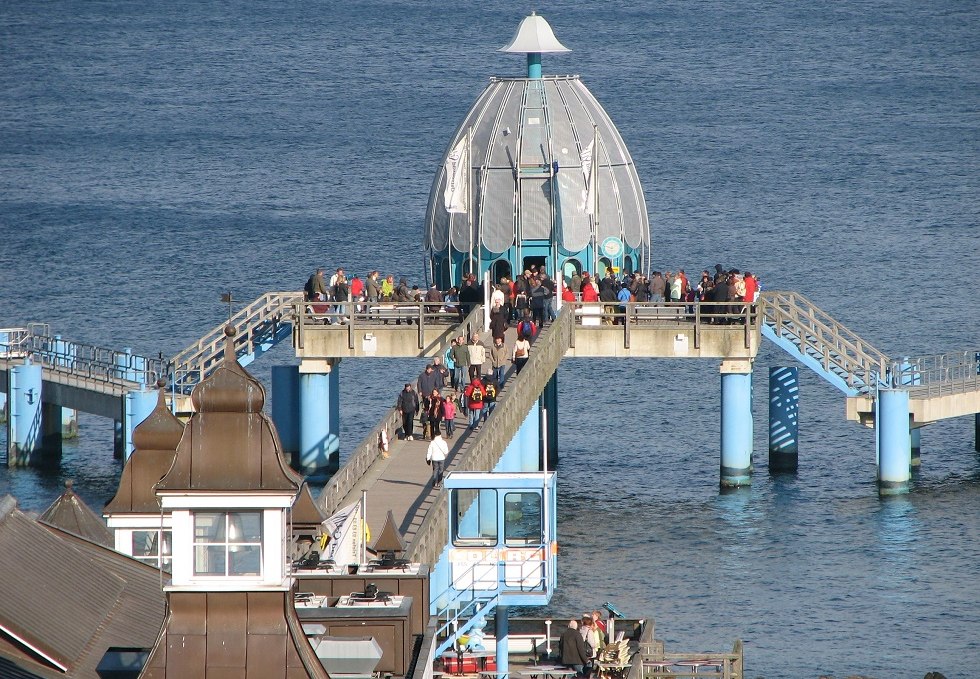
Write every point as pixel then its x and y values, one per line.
pixel 408 405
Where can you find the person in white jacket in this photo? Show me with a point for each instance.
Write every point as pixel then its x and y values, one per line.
pixel 436 456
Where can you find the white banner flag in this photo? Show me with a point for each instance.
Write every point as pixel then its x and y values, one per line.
pixel 456 178
pixel 588 195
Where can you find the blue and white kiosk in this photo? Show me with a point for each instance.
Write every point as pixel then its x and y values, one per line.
pixel 502 552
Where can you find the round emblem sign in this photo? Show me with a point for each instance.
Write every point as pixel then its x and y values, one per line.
pixel 612 247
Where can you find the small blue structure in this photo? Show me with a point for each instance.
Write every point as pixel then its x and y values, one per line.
pixel 784 424
pixel 319 420
pixel 502 549
pixel 736 426
pixel 24 416
pixel 894 441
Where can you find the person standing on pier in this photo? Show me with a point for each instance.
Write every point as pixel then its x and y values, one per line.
pixel 449 414
pixel 435 413
pixel 436 456
pixel 408 405
pixel 571 649
pixel 498 360
pixel 522 351
pixel 461 355
pixel 478 354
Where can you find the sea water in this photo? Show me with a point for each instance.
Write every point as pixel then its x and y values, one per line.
pixel 156 155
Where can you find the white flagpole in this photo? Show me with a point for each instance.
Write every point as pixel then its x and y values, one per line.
pixel 468 169
pixel 594 181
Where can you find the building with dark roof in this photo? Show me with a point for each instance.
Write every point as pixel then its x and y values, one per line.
pixel 70 513
pixel 66 603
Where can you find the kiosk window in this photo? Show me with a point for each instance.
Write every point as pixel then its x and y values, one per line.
pixel 522 519
pixel 475 517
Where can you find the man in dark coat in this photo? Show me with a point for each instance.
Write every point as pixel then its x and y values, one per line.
pixel 571 648
pixel 470 295
pixel 408 405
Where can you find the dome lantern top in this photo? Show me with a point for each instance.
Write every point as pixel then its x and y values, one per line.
pixel 534 37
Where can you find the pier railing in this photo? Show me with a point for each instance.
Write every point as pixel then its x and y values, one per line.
pixel 939 375
pixel 481 452
pixel 78 364
pixel 837 349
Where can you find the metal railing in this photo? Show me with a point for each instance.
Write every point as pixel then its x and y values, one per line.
pixel 87 366
pixel 939 375
pixel 632 315
pixel 816 334
pixel 252 323
pixel 366 453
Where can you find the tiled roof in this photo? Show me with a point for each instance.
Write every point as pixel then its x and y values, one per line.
pixel 65 600
pixel 70 513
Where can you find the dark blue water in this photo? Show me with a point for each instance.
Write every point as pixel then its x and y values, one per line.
pixel 155 155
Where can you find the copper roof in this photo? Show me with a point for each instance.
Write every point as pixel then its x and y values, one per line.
pixel 306 515
pixel 68 600
pixel 229 444
pixel 232 634
pixel 70 513
pixel 390 540
pixel 155 441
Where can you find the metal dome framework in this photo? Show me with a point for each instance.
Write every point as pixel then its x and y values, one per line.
pixel 528 187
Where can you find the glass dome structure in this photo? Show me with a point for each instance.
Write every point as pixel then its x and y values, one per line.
pixel 518 186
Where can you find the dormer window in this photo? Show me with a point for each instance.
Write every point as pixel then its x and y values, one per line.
pixel 147 547
pixel 228 543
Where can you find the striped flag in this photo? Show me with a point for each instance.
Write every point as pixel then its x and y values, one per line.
pixel 456 178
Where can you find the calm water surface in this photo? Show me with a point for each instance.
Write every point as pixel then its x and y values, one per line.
pixel 152 157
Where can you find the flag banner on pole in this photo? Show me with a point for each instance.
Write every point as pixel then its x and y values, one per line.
pixel 588 195
pixel 456 179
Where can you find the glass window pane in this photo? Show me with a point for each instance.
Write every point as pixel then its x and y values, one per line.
pixel 209 527
pixel 145 543
pixel 250 524
pixel 522 518
pixel 209 560
pixel 245 561
pixel 475 516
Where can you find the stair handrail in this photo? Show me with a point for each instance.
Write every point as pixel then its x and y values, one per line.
pixel 817 334
pixel 939 374
pixel 199 357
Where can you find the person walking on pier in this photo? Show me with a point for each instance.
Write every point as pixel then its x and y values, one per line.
pixel 436 455
pixel 474 393
pixel 522 351
pixel 571 649
pixel 498 360
pixel 478 355
pixel 408 405
pixel 449 414
pixel 461 355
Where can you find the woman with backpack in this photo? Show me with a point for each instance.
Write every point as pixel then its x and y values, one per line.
pixel 474 394
pixel 522 351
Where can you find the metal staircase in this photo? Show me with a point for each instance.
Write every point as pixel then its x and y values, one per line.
pixel 259 326
pixel 829 348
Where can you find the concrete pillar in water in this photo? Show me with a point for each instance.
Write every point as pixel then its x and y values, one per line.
pixel 137 407
pixel 784 408
pixel 894 442
pixel 69 423
pixel 118 438
pixel 285 408
pixel 24 420
pixel 319 421
pixel 736 423
pixel 915 437
pixel 502 625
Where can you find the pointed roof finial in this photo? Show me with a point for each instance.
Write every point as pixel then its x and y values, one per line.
pixel 534 36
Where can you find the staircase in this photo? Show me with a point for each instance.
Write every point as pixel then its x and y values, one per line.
pixel 259 326
pixel 829 348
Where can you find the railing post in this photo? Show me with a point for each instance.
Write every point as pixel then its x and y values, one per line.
pixel 626 324
pixel 421 325
pixel 697 325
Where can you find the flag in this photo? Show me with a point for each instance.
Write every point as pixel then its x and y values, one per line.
pixel 456 178
pixel 589 194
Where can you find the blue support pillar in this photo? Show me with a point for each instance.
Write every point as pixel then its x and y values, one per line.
pixel 119 437
pixel 534 65
pixel 319 428
pixel 285 408
pixel 124 365
pixel 549 434
pixel 137 407
pixel 24 421
pixel 915 436
pixel 784 408
pixel 502 625
pixel 529 436
pixel 894 442
pixel 736 423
